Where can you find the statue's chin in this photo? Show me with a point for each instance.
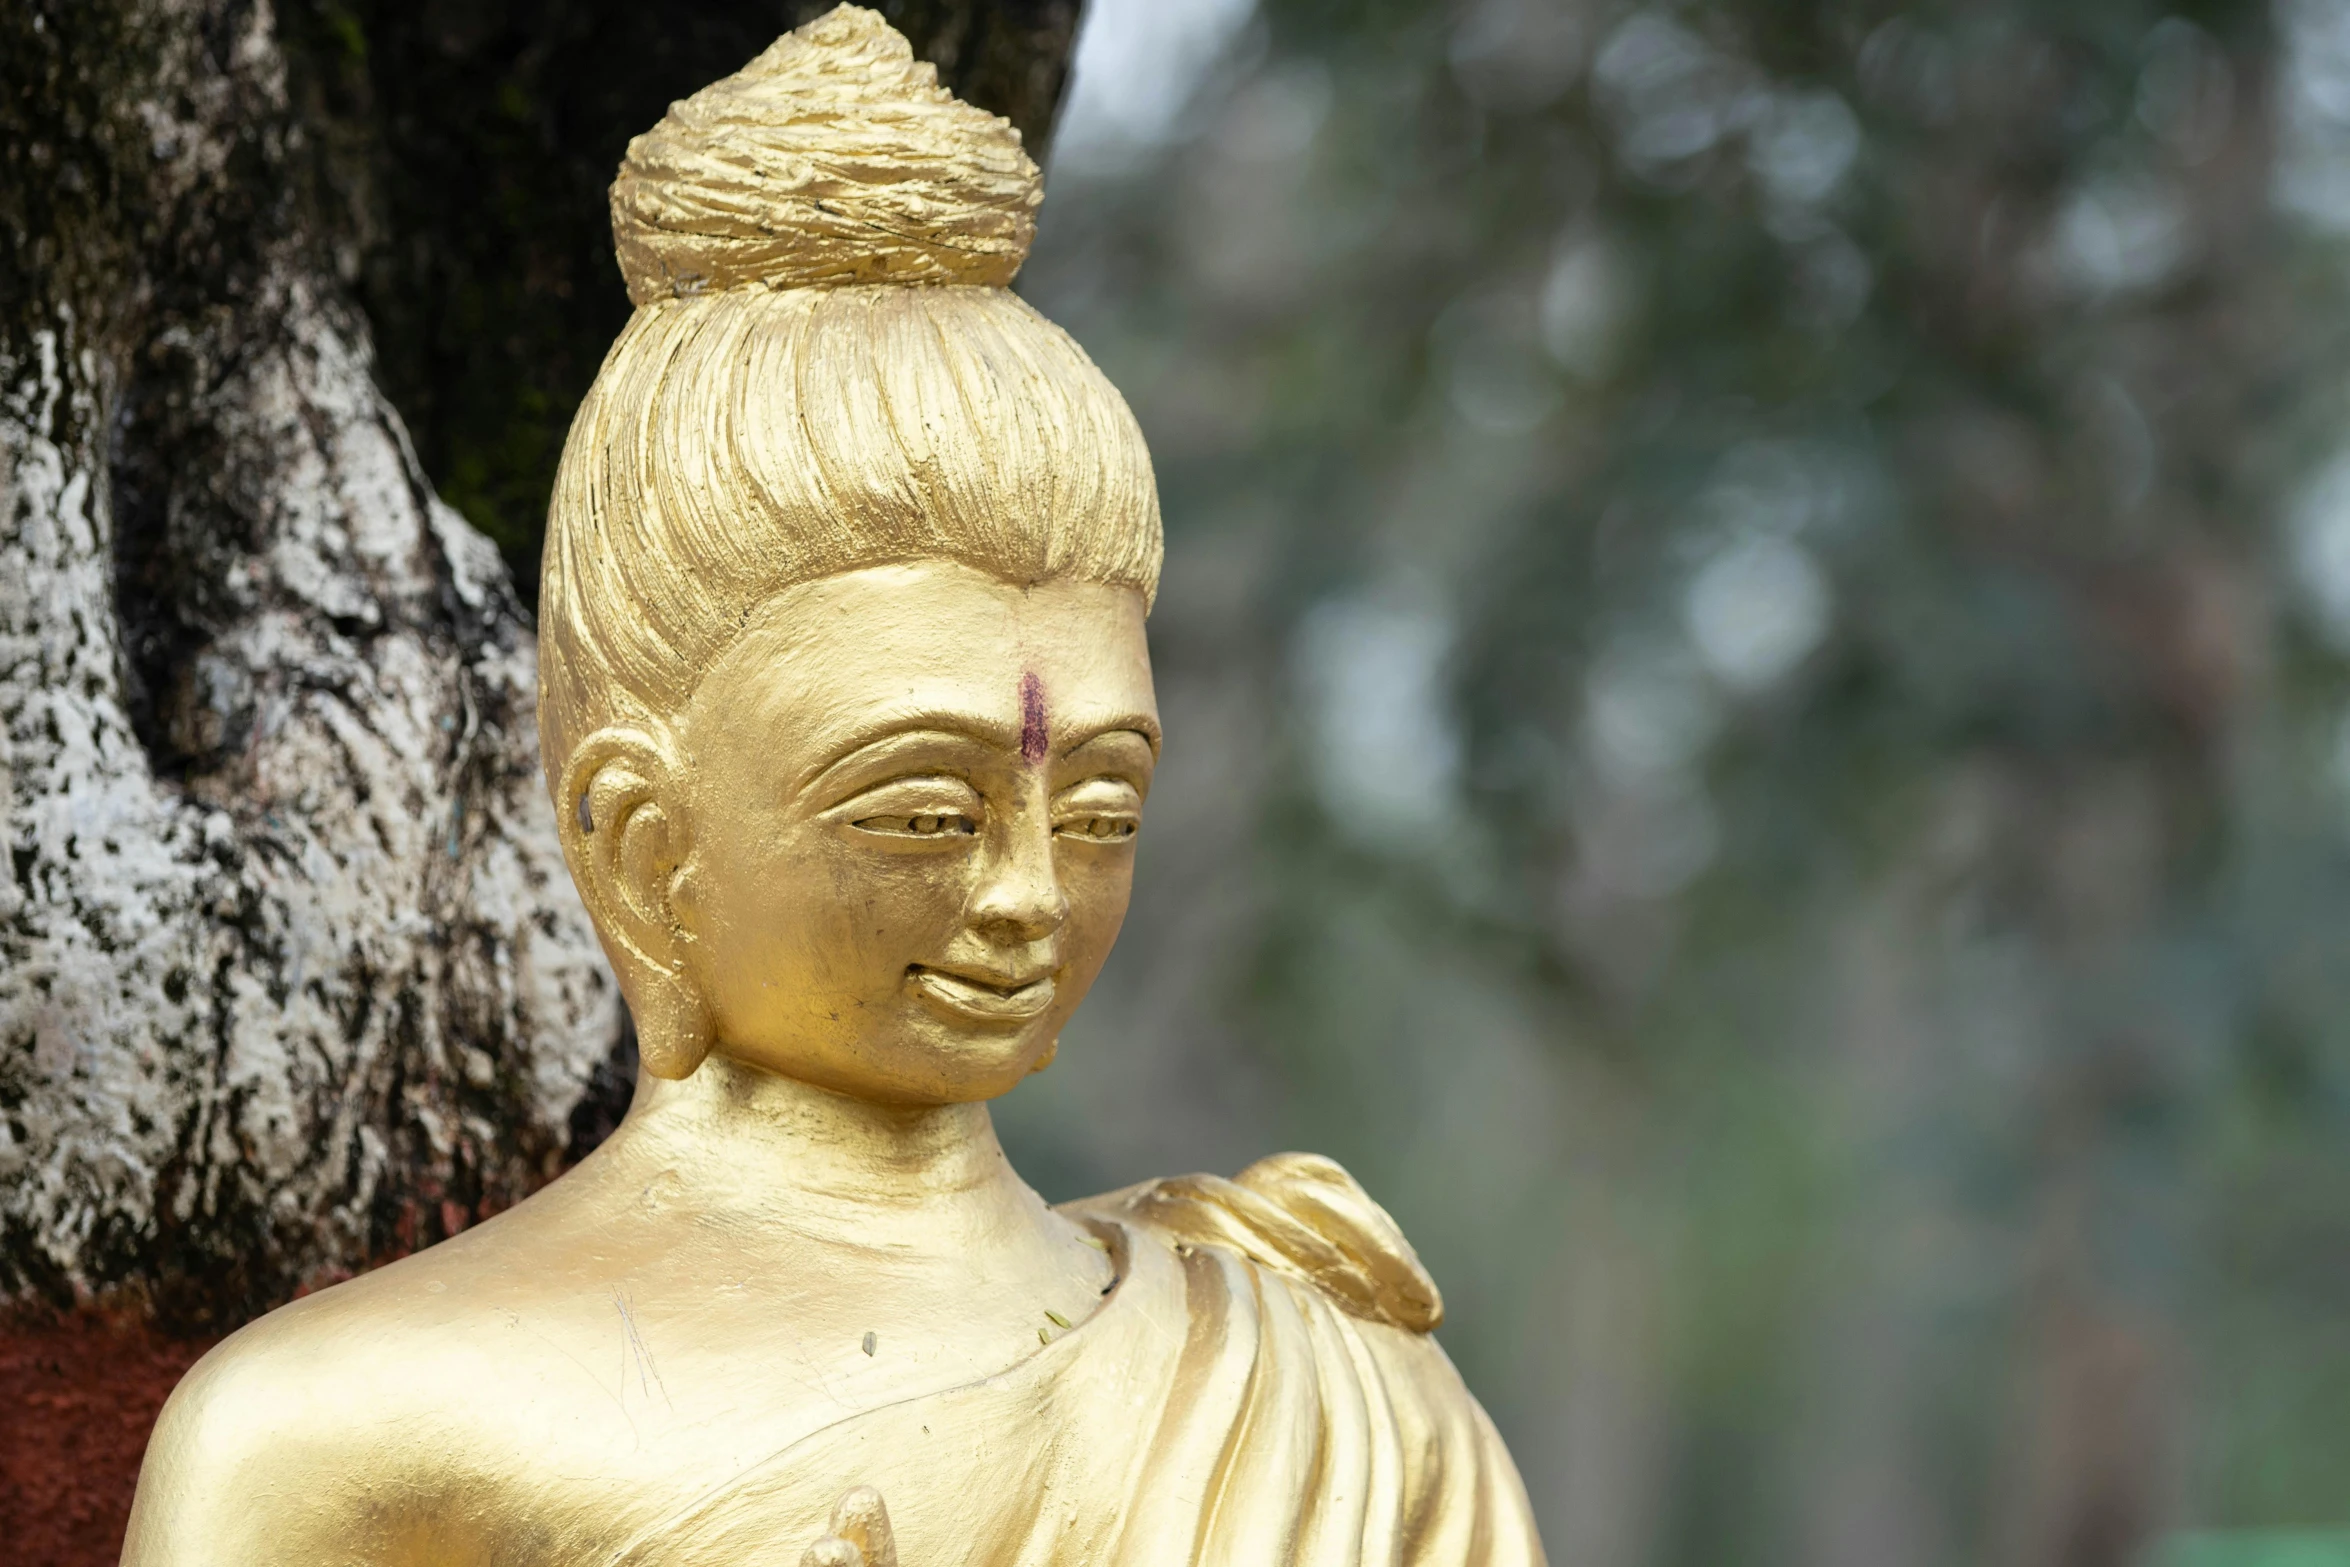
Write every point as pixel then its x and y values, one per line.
pixel 949 1047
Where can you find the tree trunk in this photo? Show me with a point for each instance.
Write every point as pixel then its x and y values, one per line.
pixel 293 975
pixel 292 978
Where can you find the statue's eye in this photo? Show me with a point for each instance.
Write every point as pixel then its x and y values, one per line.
pixel 1099 810
pixel 933 808
pixel 1101 829
pixel 939 824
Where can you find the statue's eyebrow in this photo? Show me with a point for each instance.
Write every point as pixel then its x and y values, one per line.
pixel 957 727
pixel 964 728
pixel 1126 723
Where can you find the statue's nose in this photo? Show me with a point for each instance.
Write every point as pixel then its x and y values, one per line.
pixel 1020 897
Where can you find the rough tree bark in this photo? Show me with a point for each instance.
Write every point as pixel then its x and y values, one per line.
pixel 290 973
pixel 291 976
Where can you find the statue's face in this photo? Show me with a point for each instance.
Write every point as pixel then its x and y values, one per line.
pixel 911 796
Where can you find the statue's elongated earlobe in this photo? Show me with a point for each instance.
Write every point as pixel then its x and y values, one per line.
pixel 625 837
pixel 673 1030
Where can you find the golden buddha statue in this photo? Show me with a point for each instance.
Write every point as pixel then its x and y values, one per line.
pixel 848 718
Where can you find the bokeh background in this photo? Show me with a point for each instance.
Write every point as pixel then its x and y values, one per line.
pixel 1756 657
pixel 1753 653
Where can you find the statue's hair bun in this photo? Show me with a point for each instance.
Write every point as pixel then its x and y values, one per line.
pixel 833 158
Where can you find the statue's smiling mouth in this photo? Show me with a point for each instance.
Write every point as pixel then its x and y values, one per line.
pixel 985 999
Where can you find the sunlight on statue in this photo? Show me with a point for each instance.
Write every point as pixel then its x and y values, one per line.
pixel 847 710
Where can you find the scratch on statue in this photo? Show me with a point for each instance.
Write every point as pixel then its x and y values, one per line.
pixel 648 1375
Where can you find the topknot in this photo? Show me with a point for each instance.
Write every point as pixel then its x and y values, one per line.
pixel 834 158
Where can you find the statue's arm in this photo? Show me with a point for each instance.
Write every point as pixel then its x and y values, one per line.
pixel 1466 1498
pixel 205 1496
pixel 242 1471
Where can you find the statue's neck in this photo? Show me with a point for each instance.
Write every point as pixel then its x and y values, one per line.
pixel 829 1166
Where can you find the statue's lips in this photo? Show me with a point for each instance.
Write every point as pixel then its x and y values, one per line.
pixel 982 1000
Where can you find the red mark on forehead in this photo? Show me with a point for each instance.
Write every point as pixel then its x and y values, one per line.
pixel 1032 735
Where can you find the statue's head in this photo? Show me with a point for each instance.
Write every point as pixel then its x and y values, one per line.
pixel 844 698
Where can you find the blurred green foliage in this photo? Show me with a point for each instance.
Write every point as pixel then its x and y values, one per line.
pixel 1757 737
pixel 2253 1549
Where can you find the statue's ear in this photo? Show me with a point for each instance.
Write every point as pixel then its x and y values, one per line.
pixel 625 835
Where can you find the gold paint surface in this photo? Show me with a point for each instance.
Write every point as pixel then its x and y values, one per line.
pixel 736 445
pixel 850 726
pixel 834 157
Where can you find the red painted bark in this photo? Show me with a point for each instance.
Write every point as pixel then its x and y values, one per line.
pixel 78 1395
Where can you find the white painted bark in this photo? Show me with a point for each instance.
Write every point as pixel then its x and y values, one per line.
pixel 291 974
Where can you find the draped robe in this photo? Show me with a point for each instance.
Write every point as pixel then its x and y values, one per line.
pixel 1258 1387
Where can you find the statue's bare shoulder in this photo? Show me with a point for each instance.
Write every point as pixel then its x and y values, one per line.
pixel 370 1415
pixel 566 1372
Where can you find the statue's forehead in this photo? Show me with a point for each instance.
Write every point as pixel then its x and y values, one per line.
pixel 945 604
pixel 941 637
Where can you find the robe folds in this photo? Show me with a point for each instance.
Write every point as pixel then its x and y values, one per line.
pixel 1257 1388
